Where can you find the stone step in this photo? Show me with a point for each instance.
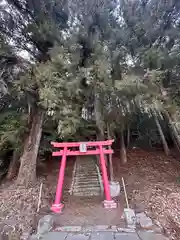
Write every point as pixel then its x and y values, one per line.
pixel 87 171
pixel 87 164
pixel 86 179
pixel 78 191
pixel 87 189
pixel 91 165
pixel 86 194
pixel 85 186
pixel 84 166
pixel 86 183
pixel 87 176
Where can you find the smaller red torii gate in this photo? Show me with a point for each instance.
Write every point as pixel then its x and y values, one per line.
pixel 82 150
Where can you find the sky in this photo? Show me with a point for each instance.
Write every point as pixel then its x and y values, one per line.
pixel 21 53
pixel 2 2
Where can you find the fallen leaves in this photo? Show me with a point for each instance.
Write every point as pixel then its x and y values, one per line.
pixel 151 179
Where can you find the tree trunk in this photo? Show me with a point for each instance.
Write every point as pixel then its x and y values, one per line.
pixel 27 171
pixel 110 157
pixel 128 136
pixel 13 166
pixel 99 120
pixel 173 130
pixel 123 155
pixel 98 117
pixel 163 139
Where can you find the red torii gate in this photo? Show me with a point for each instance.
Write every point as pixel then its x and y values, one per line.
pixel 82 150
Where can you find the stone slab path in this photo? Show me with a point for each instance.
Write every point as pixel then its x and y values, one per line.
pixel 141 235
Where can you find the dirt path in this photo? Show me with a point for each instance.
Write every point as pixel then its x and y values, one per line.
pixel 89 212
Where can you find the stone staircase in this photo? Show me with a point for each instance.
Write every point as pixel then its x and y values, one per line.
pixel 85 180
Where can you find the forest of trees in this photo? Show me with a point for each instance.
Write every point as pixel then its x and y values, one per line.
pixel 79 69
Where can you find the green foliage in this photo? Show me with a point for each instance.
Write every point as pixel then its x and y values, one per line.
pixel 83 52
pixel 55 86
pixel 7 62
pixel 37 24
pixel 12 128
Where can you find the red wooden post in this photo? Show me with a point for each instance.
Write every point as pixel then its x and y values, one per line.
pixel 104 175
pixel 57 206
pixel 108 203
